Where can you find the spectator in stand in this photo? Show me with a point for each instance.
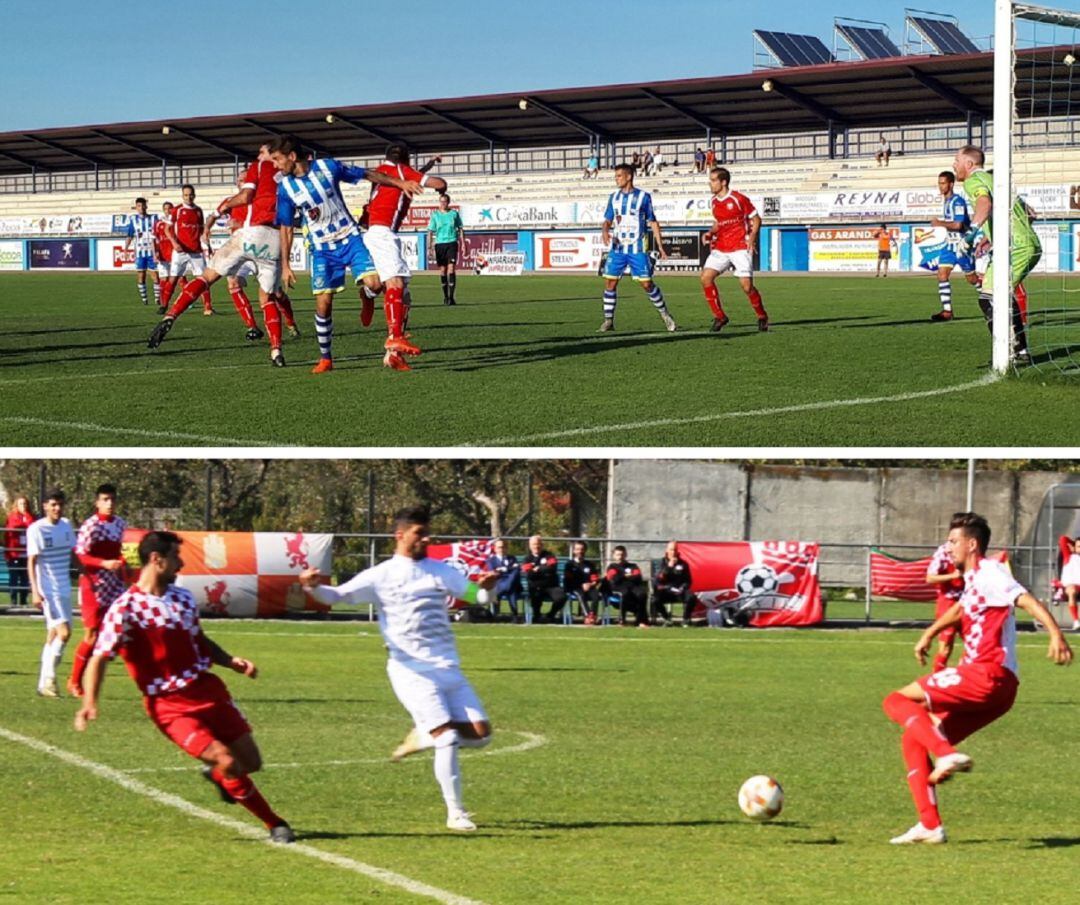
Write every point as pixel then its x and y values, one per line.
pixel 884 152
pixel 671 584
pixel 542 569
pixel 635 161
pixel 1070 581
pixel 592 168
pixel 657 161
pixel 623 577
pixel 710 159
pixel 508 584
pixel 646 163
pixel 581 579
pixel 19 519
pixel 699 161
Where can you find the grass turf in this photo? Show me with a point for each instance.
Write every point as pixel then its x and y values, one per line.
pixel 518 363
pixel 645 736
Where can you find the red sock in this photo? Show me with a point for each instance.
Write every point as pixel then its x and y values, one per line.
pixel 245 792
pixel 79 661
pixel 755 302
pixel 1074 612
pixel 272 319
pixel 243 306
pixel 916 720
pixel 285 304
pixel 918 764
pixel 395 310
pixel 190 293
pixel 1021 300
pixel 167 287
pixel 940 662
pixel 712 296
pixel 207 302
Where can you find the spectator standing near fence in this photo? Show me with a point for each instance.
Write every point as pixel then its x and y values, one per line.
pixel 699 161
pixel 624 578
pixel 50 542
pixel 542 568
pixel 657 161
pixel 1070 581
pixel 710 159
pixel 884 152
pixel 581 579
pixel 18 520
pixel 508 584
pixel 671 584
pixel 447 230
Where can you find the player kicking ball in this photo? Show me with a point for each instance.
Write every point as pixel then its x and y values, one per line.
pixel 154 626
pixel 411 592
pixel 942 709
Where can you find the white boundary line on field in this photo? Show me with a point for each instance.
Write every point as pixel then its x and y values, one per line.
pixel 749 413
pixel 532 740
pixel 135 431
pixel 258 834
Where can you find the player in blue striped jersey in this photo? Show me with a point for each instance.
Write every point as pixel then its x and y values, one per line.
pixel 312 188
pixel 629 218
pixel 140 231
pixel 956 218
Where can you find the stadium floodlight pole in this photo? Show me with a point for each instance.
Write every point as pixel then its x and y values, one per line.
pixel 1004 40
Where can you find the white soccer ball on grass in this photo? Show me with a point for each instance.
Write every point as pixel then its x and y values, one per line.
pixel 761 798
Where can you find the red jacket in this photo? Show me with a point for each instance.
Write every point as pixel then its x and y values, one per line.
pixel 15 540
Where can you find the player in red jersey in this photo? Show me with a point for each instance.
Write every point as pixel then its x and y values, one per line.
pixel 733 239
pixel 948 582
pixel 98 549
pixel 385 212
pixel 237 283
pixel 940 710
pixel 184 231
pixel 255 243
pixel 155 627
pixel 163 253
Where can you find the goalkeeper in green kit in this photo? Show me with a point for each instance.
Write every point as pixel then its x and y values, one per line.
pixel 1025 247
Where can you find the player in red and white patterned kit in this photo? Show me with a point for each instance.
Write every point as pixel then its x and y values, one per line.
pixel 733 239
pixel 385 212
pixel 948 582
pixel 98 549
pixel 184 231
pixel 155 627
pixel 940 710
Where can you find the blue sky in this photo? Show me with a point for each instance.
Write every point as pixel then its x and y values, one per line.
pixel 72 62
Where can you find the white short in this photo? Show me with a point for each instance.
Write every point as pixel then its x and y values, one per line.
pixel 385 248
pixel 57 606
pixel 162 269
pixel 182 261
pixel 738 261
pixel 981 263
pixel 435 697
pixel 251 249
pixel 1070 572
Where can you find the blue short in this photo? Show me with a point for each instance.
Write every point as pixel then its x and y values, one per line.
pixel 618 261
pixel 328 266
pixel 950 258
pixel 145 262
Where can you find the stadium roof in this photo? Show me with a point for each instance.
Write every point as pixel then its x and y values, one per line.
pixel 875 93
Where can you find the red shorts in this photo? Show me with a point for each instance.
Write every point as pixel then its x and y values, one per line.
pixel 967 697
pixel 89 605
pixel 197 715
pixel 943 606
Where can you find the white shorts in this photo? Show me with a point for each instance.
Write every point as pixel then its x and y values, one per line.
pixel 162 269
pixel 57 606
pixel 182 261
pixel 981 263
pixel 738 261
pixel 436 697
pixel 385 248
pixel 251 249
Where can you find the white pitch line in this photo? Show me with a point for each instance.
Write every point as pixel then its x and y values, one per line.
pixel 136 432
pixel 247 830
pixel 532 740
pixel 750 413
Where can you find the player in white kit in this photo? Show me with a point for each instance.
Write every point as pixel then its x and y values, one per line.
pixel 50 542
pixel 411 592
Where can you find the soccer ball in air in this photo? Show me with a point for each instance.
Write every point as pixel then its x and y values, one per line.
pixel 756 579
pixel 761 798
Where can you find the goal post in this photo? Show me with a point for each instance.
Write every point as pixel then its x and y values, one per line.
pixel 1004 102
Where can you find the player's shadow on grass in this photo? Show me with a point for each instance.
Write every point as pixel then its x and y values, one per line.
pixel 74 329
pixel 1055 842
pixel 304 836
pixel 313 700
pixel 605 824
pixel 543 669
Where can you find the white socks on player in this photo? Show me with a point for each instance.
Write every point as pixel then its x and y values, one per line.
pixel 51 653
pixel 446 770
pixel 944 288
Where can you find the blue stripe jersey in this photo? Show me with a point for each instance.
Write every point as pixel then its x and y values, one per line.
pixel 53 545
pixel 956 208
pixel 317 195
pixel 629 213
pixel 141 228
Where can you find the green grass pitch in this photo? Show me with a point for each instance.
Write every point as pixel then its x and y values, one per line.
pixel 611 778
pixel 519 363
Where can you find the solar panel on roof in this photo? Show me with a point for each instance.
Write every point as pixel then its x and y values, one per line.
pixel 945 36
pixel 794 50
pixel 869 43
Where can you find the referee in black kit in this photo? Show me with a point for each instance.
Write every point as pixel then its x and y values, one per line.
pixel 445 225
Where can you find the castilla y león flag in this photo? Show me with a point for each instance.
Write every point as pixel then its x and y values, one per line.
pixel 236 573
pixel 774 582
pixel 467 556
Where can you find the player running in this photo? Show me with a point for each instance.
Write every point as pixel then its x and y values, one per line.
pixel 940 710
pixel 140 231
pixel 313 188
pixel 255 244
pixel 184 231
pixel 154 626
pixel 629 217
pixel 733 239
pixel 1026 248
pixel 956 218
pixel 948 582
pixel 98 549
pixel 49 543
pixel 411 592
pixel 163 254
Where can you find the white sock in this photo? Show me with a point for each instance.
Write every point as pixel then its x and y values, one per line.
pixel 424 740
pixel 58 646
pixel 48 665
pixel 447 772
